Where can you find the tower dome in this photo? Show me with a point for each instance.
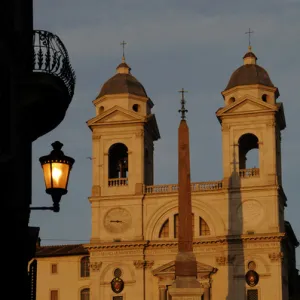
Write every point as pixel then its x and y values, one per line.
pixel 250 73
pixel 122 83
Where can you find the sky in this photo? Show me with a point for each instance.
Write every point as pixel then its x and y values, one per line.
pixel 171 44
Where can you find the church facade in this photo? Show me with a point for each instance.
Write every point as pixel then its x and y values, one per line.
pixel 245 248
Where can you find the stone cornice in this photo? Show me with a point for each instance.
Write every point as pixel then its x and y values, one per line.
pixel 223 240
pixel 130 245
pixel 217 241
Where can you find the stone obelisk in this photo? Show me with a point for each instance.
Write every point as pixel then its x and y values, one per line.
pixel 185 284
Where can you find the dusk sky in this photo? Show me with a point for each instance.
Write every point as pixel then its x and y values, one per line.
pixel 171 44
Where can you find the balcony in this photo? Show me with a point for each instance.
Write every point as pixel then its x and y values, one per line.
pixel 115 182
pixel 249 173
pixel 173 188
pixel 49 88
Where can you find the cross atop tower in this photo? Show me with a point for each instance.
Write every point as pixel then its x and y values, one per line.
pixel 249 35
pixel 183 110
pixel 123 46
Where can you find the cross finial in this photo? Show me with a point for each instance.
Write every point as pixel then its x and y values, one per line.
pixel 183 111
pixel 249 36
pixel 123 46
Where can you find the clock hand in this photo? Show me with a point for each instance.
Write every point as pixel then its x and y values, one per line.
pixel 116 221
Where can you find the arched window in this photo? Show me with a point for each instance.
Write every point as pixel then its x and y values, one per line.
pixel 176 225
pixel 231 100
pixel 164 230
pixel 203 227
pixel 173 222
pixel 118 163
pixel 264 98
pixel 101 109
pixel 136 107
pixel 248 154
pixel 85 266
pixel 85 294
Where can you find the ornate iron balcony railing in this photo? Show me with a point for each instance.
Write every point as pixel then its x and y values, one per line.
pixel 50 56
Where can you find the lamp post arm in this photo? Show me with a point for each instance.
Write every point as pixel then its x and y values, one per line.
pixel 54 208
pixel 41 208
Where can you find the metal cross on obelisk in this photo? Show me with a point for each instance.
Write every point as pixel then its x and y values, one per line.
pixel 183 111
pixel 249 36
pixel 123 46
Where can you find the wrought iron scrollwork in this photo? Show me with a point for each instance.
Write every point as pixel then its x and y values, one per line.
pixel 50 56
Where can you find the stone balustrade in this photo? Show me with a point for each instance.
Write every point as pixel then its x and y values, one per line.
pixel 173 188
pixel 115 182
pixel 248 173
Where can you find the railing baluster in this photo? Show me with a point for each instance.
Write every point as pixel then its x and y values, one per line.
pixel 50 56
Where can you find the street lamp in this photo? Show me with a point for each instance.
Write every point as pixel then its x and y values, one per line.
pixel 56 167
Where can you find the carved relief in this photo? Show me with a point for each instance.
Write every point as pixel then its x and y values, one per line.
pixel 225 127
pixel 205 285
pixel 95 266
pixel 225 260
pixel 95 190
pixel 271 123
pixel 96 137
pixel 147 264
pixel 139 133
pixel 139 264
pixel 276 256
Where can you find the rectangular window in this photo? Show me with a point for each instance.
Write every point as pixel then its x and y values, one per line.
pixel 252 294
pixel 54 268
pixel 117 297
pixel 54 295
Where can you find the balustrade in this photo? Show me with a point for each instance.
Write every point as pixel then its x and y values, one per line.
pixel 173 188
pixel 113 182
pixel 248 173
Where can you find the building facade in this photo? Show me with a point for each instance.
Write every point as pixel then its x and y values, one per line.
pixel 245 248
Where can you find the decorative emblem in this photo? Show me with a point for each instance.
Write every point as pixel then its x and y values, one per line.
pixel 117 285
pixel 252 278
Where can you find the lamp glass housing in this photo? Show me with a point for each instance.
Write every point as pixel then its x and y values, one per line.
pixel 56 168
pixel 56 175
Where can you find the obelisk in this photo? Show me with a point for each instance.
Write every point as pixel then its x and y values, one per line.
pixel 185 284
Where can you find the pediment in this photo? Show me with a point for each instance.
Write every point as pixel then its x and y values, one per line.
pixel 169 268
pixel 116 114
pixel 247 105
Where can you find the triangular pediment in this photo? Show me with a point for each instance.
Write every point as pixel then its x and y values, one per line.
pixel 169 268
pixel 247 105
pixel 116 115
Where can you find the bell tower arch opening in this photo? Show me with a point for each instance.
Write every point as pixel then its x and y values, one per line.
pixel 118 163
pixel 248 152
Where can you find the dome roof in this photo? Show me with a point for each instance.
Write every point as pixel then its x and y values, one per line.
pixel 249 73
pixel 122 83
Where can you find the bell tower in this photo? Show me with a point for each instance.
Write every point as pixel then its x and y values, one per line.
pixel 123 134
pixel 251 121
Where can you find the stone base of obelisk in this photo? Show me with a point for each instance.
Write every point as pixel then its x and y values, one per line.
pixel 191 291
pixel 185 286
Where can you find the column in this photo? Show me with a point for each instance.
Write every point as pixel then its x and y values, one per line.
pixel 162 292
pixel 206 293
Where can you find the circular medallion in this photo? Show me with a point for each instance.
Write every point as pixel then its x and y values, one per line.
pixel 252 278
pixel 252 265
pixel 117 220
pixel 117 285
pixel 117 272
pixel 250 212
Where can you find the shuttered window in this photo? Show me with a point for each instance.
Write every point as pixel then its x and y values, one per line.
pixel 252 294
pixel 54 295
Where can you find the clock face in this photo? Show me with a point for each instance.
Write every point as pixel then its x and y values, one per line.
pixel 117 220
